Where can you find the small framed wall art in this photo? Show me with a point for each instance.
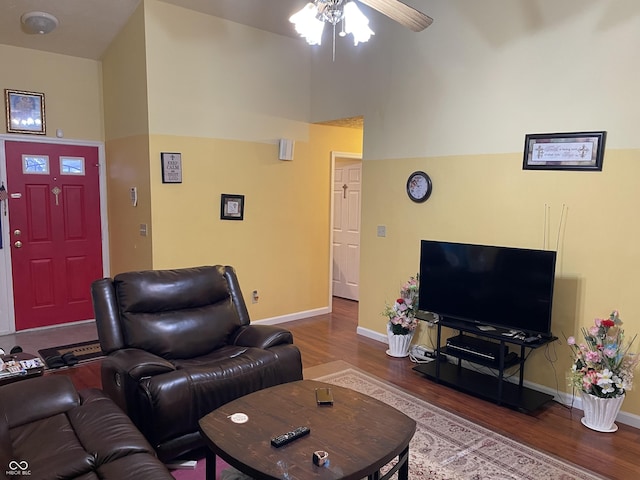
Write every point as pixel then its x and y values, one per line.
pixel 171 167
pixel 25 112
pixel 231 207
pixel 564 151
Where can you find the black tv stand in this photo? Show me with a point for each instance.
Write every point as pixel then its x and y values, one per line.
pixel 488 387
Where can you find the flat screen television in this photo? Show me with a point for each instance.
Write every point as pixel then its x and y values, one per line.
pixel 504 287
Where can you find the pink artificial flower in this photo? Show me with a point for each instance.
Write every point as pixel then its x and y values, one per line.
pixel 593 357
pixel 571 341
pixel 610 352
pixel 591 377
pixel 598 322
pixel 593 331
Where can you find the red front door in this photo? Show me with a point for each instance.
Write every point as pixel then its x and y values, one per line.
pixel 56 248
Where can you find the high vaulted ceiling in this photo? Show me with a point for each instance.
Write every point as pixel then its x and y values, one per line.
pixel 87 27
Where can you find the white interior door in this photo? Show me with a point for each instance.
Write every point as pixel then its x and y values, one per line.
pixel 347 186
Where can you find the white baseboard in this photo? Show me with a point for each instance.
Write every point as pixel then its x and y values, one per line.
pixel 365 332
pixel 575 401
pixel 567 399
pixel 293 316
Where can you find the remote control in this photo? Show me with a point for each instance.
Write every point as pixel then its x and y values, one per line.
pixel 289 437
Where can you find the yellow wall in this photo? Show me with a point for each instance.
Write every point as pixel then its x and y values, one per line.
pixel 127 167
pixel 222 94
pixel 281 248
pixel 489 199
pixel 71 87
pixel 125 81
pixel 127 147
pixel 209 77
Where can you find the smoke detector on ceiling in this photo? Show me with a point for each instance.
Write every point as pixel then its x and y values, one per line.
pixel 39 22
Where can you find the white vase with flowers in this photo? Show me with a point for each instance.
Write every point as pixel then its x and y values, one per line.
pixel 602 371
pixel 402 321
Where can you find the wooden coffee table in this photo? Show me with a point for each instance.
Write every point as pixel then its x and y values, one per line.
pixel 361 434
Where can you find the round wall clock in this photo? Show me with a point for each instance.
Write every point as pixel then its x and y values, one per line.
pixel 419 187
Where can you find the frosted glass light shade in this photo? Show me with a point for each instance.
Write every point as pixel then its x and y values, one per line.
pixel 39 22
pixel 307 24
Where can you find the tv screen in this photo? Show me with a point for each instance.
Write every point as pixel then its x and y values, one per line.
pixel 503 287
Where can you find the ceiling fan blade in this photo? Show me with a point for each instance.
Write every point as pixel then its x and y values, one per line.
pixel 401 13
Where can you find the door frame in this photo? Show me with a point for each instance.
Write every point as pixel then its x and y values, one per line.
pixel 7 317
pixel 334 156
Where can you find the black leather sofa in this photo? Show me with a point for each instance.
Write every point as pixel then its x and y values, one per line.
pixel 49 430
pixel 179 344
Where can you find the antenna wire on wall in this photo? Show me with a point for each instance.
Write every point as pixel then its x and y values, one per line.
pixel 560 225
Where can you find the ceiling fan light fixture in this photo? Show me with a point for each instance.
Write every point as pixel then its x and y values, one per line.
pixel 307 24
pixel 39 22
pixel 356 23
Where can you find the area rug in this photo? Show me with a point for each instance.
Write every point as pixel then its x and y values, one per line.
pixel 83 351
pixel 445 446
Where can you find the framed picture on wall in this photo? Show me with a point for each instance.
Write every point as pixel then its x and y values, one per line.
pixel 564 151
pixel 171 167
pixel 231 207
pixel 25 112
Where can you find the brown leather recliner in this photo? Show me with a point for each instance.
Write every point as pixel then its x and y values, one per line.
pixel 49 430
pixel 179 344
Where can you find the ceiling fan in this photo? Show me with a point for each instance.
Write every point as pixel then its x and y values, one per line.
pixel 400 12
pixel 309 22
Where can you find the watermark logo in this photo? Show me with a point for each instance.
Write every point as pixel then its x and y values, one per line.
pixel 17 468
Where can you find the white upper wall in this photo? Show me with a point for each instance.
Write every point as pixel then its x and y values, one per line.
pixel 485 74
pixel 251 85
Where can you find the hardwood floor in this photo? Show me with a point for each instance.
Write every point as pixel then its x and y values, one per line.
pixel 555 429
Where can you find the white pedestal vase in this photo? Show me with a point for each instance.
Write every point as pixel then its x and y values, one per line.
pixel 398 344
pixel 600 413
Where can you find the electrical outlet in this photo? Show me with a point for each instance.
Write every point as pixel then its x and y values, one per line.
pixel 255 296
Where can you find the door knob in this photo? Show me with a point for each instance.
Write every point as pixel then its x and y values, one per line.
pixel 18 244
pixel 17 232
